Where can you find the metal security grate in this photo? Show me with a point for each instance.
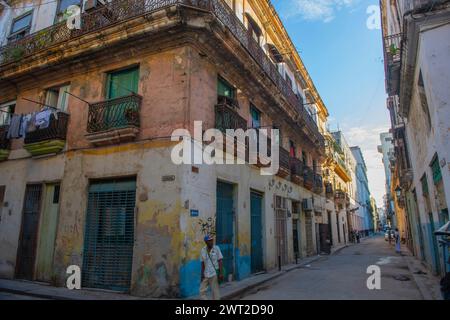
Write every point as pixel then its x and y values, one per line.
pixel 109 235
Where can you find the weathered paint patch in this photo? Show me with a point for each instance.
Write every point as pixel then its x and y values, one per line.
pixel 190 278
pixel 243 265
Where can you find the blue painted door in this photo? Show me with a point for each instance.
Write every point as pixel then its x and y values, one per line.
pixel 256 232
pixel 225 226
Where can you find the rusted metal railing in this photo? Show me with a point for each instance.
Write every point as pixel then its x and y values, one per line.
pixel 318 183
pixel 114 114
pixel 57 129
pixel 284 159
pixel 228 118
pixel 308 177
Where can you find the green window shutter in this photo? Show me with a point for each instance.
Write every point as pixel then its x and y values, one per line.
pixel 436 170
pixel 256 117
pixel 122 83
pixel 224 88
pixel 424 185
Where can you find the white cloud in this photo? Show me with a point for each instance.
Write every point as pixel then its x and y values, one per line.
pixel 323 10
pixel 368 138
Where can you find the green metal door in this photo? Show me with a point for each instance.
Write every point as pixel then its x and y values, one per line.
pixel 256 232
pixel 225 226
pixel 109 235
pixel 120 84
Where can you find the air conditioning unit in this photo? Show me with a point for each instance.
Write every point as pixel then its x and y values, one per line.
pixel 92 4
pixel 307 205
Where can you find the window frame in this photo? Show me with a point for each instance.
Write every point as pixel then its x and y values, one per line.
pixel 8 105
pixel 253 108
pixel 64 107
pixel 110 73
pixel 226 83
pixel 13 35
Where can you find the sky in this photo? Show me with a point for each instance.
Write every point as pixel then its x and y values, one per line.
pixel 344 57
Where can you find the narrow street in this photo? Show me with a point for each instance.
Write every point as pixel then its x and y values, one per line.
pixel 343 276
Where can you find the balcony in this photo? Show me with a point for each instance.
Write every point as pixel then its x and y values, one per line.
pixel 118 11
pixel 308 178
pixel 406 178
pixel 50 140
pixel 296 166
pixel 329 190
pixel 228 118
pixel 114 121
pixel 318 184
pixel 284 169
pixel 392 56
pixel 340 197
pixel 5 143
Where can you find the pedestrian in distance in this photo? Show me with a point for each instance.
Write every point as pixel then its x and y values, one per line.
pixel 212 274
pixel 358 237
pixel 397 241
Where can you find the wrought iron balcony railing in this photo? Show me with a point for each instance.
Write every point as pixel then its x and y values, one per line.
pixel 228 118
pixel 228 101
pixel 296 166
pixel 318 183
pixel 115 113
pixel 56 130
pixel 329 189
pixel 118 11
pixel 340 196
pixel 308 177
pixel 5 143
pixel 284 160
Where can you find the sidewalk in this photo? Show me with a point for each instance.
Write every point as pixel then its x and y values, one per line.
pixel 229 291
pixel 428 284
pixel 45 291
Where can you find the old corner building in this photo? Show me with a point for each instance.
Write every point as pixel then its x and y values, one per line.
pixel 86 116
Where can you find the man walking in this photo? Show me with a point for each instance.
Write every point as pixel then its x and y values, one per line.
pixel 397 241
pixel 211 258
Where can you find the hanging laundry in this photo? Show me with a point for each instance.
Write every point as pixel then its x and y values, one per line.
pixel 43 118
pixel 31 126
pixel 14 127
pixel 23 127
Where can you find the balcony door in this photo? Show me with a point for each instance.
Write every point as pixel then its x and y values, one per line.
pixel 120 84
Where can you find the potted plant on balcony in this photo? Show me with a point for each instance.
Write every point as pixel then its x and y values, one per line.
pixel 131 115
pixel 14 53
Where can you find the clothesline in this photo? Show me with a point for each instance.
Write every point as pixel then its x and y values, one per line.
pixel 21 124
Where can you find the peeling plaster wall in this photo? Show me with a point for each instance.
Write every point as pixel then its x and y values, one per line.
pixel 425 141
pixel 15 175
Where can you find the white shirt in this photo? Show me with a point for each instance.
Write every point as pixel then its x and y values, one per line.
pixel 211 265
